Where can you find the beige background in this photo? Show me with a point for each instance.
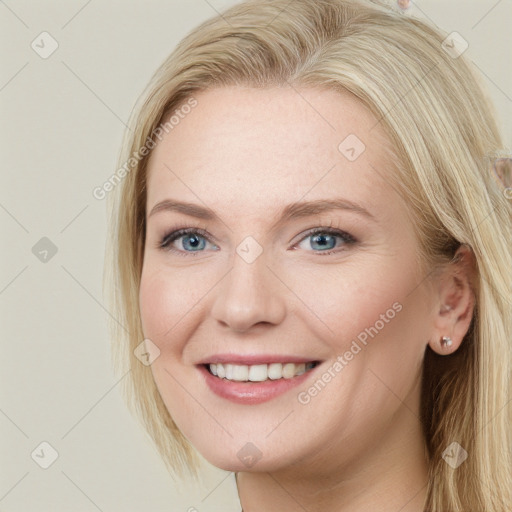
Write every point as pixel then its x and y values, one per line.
pixel 62 120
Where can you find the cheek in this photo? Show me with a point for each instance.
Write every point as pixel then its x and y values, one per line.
pixel 165 300
pixel 341 301
pixel 157 305
pixel 376 314
pixel 167 307
pixel 377 324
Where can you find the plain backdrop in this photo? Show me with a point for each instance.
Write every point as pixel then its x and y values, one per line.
pixel 62 120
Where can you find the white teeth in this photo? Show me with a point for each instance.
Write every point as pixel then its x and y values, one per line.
pixel 275 371
pixel 259 372
pixel 288 370
pixel 240 373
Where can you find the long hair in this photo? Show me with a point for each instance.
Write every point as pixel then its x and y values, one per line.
pixel 444 140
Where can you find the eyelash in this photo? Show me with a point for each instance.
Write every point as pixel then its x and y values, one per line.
pixel 165 243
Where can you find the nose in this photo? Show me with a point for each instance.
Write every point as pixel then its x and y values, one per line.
pixel 249 295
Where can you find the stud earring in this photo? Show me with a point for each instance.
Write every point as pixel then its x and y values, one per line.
pixel 446 341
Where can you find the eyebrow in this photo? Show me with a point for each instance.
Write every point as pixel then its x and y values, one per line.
pixel 292 211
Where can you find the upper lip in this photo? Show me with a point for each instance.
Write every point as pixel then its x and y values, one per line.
pixel 250 359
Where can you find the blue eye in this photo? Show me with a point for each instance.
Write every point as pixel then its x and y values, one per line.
pixel 193 240
pixel 325 239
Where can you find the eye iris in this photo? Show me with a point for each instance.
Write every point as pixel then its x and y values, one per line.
pixel 195 241
pixel 321 239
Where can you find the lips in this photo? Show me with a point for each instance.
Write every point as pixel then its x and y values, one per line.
pixel 250 379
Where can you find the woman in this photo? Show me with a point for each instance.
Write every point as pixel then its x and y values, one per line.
pixel 311 263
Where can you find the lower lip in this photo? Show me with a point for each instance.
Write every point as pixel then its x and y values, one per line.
pixel 251 393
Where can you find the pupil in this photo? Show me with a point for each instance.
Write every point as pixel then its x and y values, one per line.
pixel 192 241
pixel 322 239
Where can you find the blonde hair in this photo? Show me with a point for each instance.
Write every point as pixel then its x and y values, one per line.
pixel 444 142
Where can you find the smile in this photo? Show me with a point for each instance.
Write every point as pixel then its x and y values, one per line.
pixel 257 383
pixel 259 372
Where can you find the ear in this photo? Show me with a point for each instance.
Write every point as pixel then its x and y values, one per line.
pixel 455 302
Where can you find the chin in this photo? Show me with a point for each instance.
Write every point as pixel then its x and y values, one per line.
pixel 248 458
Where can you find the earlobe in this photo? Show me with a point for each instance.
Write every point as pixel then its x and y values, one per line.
pixel 455 302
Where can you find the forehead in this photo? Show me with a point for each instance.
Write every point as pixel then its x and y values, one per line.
pixel 257 149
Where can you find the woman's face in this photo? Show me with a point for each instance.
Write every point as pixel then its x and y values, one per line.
pixel 252 284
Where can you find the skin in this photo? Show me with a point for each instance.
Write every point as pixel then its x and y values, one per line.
pixel 246 153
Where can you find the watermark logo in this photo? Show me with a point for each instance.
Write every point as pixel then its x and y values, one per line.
pixel 44 455
pixel 249 454
pixel 146 352
pixel 44 250
pixel 249 249
pixel 351 147
pixel 44 45
pixel 454 45
pixel 454 455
